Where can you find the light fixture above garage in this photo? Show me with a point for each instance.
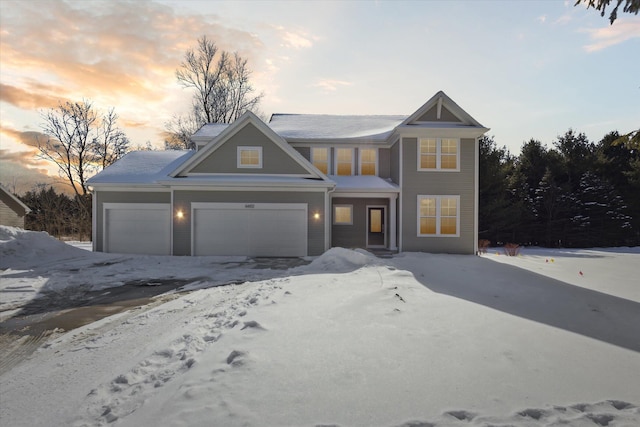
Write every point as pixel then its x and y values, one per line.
pixel 179 214
pixel 316 215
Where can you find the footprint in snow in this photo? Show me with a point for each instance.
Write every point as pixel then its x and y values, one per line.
pixel 462 415
pixel 236 358
pixel 253 325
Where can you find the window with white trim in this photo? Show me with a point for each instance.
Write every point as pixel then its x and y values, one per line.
pixel 344 161
pixel 343 214
pixel 439 154
pixel 439 216
pixel 368 161
pixel 249 157
pixel 320 159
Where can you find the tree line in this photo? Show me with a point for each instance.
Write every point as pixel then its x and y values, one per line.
pixel 575 194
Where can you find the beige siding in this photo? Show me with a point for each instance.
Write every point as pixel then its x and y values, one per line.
pixel 274 159
pixel 102 197
pixel 9 217
pixel 183 199
pixel 460 183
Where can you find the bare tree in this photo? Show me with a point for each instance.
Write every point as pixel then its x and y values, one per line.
pixel 80 142
pixel 223 91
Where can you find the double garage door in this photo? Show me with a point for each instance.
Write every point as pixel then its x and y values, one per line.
pixel 250 229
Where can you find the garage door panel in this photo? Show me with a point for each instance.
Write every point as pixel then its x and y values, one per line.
pixel 220 232
pixel 259 230
pixel 138 230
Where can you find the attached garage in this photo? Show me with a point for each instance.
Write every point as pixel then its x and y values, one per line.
pixel 249 229
pixel 137 228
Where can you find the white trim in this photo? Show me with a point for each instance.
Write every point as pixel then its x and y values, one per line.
pixel 173 214
pixel 131 188
pixel 94 221
pixel 476 197
pixel 439 108
pixel 438 215
pixel 350 214
pixel 327 221
pixel 335 160
pixel 251 187
pixel 400 198
pixel 362 195
pixel 377 156
pixel 438 155
pixel 252 175
pixel 240 149
pixel 384 225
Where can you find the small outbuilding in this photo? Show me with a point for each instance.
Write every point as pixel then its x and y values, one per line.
pixel 12 210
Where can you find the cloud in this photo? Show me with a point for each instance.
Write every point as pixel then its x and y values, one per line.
pixel 294 40
pixel 17 174
pixel 542 19
pixel 331 85
pixel 32 96
pixel 621 31
pixel 27 138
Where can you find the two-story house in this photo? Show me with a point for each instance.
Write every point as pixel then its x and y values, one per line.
pixel 298 186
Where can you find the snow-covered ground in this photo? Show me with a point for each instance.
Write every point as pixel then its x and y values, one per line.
pixel 550 338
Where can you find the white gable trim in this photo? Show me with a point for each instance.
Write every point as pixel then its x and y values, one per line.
pixel 438 100
pixel 234 128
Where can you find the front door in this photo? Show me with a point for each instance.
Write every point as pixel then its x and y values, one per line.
pixel 376 227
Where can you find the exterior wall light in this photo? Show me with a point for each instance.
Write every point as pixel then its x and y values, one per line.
pixel 179 214
pixel 316 215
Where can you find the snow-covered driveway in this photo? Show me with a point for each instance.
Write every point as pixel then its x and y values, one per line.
pixel 353 340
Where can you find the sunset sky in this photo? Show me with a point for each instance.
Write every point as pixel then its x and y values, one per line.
pixel 525 69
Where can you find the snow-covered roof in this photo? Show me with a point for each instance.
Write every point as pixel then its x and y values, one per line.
pixel 142 167
pixel 210 130
pixel 363 183
pixel 323 126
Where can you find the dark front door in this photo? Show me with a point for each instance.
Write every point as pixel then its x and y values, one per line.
pixel 375 227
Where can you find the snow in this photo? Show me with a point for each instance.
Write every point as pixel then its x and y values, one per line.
pixel 210 130
pixel 325 126
pixel 363 183
pixel 348 340
pixel 142 167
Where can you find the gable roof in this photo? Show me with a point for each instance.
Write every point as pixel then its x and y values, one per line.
pixel 440 100
pixel 228 132
pixel 13 202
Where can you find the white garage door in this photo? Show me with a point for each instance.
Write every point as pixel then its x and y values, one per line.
pixel 260 229
pixel 137 228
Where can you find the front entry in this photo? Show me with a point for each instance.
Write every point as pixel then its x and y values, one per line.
pixel 376 237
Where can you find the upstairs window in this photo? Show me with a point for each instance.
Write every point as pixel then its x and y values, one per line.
pixel 249 157
pixel 438 216
pixel 344 161
pixel 439 154
pixel 320 159
pixel 368 161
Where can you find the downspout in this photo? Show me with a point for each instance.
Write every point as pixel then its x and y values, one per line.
pixel 327 218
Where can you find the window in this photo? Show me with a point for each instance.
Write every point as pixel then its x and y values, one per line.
pixel 439 154
pixel 343 214
pixel 368 161
pixel 438 216
pixel 249 157
pixel 320 159
pixel 344 161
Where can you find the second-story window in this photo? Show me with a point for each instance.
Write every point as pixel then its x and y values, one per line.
pixel 320 159
pixel 368 161
pixel 439 154
pixel 344 161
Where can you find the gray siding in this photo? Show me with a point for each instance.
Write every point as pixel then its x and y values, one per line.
pixel 432 115
pixel 274 159
pixel 355 235
pixel 384 165
pixel 416 183
pixel 305 151
pixel 183 199
pixel 102 197
pixel 394 163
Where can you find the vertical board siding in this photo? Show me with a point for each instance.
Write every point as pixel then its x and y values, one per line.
pixel 460 183
pixel 394 163
pixel 384 166
pixel 183 199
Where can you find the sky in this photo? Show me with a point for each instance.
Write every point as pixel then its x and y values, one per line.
pixel 524 69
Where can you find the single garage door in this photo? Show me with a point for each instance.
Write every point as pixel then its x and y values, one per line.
pixel 137 228
pixel 250 229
